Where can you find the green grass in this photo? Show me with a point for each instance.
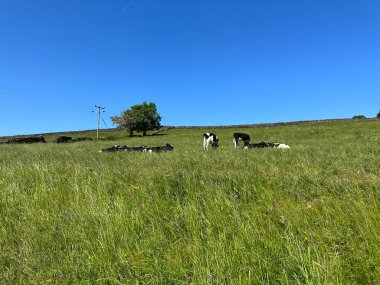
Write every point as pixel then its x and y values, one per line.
pixel 308 215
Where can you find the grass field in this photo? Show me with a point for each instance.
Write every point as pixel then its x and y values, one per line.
pixel 308 215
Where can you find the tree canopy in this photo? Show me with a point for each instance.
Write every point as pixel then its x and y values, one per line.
pixel 140 118
pixel 359 117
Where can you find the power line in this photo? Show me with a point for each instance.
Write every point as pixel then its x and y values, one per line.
pixel 104 123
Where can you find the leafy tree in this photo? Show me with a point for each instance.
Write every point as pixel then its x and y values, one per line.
pixel 359 117
pixel 140 118
pixel 378 115
pixel 127 120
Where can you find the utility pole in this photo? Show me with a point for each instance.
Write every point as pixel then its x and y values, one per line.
pixel 100 109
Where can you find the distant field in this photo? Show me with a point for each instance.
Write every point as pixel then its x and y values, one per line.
pixel 308 215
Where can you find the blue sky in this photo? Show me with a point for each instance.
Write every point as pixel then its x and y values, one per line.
pixel 203 62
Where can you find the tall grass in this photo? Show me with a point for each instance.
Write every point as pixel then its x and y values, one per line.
pixel 308 215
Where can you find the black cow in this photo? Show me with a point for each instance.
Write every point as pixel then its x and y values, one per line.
pixel 136 148
pixel 258 145
pixel 114 148
pixel 123 148
pixel 210 138
pixel 241 136
pixel 167 147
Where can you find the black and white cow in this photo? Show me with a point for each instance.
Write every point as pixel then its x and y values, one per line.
pixel 210 138
pixel 266 144
pixel 258 145
pixel 113 148
pixel 136 148
pixel 167 147
pixel 123 148
pixel 281 145
pixel 242 137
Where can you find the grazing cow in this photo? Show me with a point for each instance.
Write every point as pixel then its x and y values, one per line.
pixel 266 144
pixel 210 138
pixel 243 137
pixel 167 147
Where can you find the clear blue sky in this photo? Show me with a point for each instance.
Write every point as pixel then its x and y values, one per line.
pixel 203 62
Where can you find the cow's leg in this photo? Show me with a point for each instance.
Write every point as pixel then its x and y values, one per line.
pixel 235 143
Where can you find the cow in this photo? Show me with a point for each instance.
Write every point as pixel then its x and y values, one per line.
pixel 241 136
pixel 257 145
pixel 267 144
pixel 135 148
pixel 281 145
pixel 114 148
pixel 167 147
pixel 123 148
pixel 210 138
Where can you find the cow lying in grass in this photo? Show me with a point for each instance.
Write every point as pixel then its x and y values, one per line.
pixel 281 145
pixel 142 148
pixel 167 147
pixel 241 137
pixel 210 138
pixel 266 144
pixel 123 148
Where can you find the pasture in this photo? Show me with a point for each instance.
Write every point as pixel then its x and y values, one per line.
pixel 307 215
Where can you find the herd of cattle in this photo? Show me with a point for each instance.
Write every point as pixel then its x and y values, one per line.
pixel 142 148
pixel 208 139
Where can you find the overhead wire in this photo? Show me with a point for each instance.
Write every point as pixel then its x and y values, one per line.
pixel 104 122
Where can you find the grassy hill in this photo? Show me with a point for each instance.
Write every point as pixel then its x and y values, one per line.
pixel 308 215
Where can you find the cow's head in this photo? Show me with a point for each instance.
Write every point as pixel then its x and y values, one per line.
pixel 169 147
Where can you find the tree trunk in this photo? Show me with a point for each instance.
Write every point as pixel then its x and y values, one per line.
pixel 144 133
pixel 131 133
